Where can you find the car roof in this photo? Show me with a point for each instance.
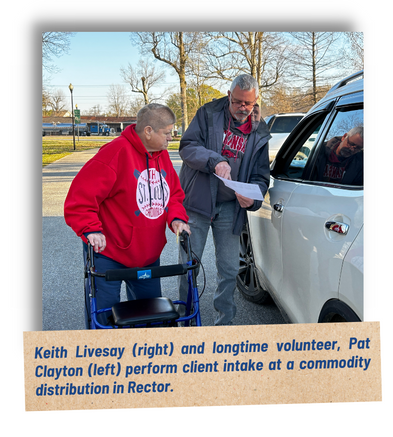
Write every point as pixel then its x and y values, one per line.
pixel 283 114
pixel 349 85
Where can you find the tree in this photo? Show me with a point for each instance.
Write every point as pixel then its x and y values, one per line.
pixel 94 111
pixel 281 99
pixel 142 78
pixel 135 105
pixel 315 60
pixel 260 54
pixel 45 102
pixel 290 99
pixel 57 101
pixel 195 99
pixel 198 77
pixel 174 49
pixel 54 44
pixel 355 53
pixel 118 100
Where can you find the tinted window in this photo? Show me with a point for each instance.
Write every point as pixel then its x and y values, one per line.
pixel 340 155
pixel 303 151
pixel 291 160
pixel 283 125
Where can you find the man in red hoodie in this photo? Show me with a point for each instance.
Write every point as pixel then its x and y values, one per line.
pixel 122 199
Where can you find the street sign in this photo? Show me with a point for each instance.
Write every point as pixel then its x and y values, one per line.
pixel 77 114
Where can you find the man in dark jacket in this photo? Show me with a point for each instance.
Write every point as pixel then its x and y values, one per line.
pixel 227 137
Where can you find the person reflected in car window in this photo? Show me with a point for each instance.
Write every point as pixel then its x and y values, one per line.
pixel 341 159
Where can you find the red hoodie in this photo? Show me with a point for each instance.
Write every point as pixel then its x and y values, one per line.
pixel 119 192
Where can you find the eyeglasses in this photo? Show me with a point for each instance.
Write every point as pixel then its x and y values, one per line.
pixel 240 103
pixel 353 145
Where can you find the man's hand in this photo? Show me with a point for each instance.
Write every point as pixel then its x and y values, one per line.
pixel 223 170
pixel 178 227
pixel 98 241
pixel 245 202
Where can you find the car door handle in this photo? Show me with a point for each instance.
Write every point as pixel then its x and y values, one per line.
pixel 278 207
pixel 340 228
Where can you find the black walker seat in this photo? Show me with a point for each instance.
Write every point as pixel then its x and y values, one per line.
pixel 144 311
pixel 152 311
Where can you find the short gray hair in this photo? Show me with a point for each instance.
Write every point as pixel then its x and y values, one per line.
pixel 356 130
pixel 155 115
pixel 245 82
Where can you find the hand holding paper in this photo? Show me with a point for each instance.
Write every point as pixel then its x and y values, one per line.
pixel 244 202
pixel 251 191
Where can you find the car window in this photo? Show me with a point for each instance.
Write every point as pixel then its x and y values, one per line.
pixel 269 120
pixel 340 155
pixel 284 124
pixel 301 152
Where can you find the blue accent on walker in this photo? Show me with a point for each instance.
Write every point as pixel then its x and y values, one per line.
pixel 144 274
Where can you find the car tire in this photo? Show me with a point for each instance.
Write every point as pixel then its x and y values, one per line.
pixel 247 279
pixel 335 311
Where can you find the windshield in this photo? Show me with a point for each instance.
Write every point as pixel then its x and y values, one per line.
pixel 285 125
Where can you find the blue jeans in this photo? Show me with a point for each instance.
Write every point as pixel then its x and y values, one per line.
pixel 227 249
pixel 108 292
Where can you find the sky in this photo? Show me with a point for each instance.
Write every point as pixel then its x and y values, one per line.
pixel 93 64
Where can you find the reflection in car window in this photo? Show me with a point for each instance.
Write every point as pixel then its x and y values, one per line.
pixel 298 163
pixel 340 158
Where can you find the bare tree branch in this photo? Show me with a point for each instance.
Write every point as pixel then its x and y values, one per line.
pixel 355 53
pixel 143 78
pixel 118 100
pixel 259 54
pixel 57 101
pixel 315 60
pixel 174 49
pixel 54 45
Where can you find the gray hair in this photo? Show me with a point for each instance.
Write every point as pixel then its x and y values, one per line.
pixel 245 82
pixel 356 130
pixel 155 115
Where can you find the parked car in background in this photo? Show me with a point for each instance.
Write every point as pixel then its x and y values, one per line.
pixel 280 126
pixel 304 247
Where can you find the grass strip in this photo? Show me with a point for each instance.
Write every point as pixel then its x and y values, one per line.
pixel 54 148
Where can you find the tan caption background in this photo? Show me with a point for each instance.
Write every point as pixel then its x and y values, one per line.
pixel 174 367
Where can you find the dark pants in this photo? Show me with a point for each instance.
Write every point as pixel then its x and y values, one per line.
pixel 108 292
pixel 227 248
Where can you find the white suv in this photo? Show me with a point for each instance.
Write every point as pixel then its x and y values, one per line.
pixel 280 126
pixel 304 247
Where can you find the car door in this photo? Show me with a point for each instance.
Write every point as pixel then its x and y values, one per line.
pixel 308 224
pixel 265 225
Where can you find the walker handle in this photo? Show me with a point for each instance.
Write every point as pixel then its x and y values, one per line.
pixel 186 243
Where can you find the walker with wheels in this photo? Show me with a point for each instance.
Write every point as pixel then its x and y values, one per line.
pixel 152 312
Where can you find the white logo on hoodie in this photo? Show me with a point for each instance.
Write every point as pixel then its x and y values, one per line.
pixel 152 193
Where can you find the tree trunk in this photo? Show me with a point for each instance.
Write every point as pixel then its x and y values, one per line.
pixel 183 83
pixel 259 66
pixel 314 69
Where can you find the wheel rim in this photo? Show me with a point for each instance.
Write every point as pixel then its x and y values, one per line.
pixel 247 274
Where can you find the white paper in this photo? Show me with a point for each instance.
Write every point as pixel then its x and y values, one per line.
pixel 252 191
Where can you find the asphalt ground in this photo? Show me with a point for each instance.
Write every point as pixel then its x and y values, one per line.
pixel 62 264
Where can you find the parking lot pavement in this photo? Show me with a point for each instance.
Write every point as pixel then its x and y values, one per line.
pixel 62 267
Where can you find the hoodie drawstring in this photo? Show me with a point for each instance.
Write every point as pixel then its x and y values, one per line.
pixel 162 185
pixel 148 176
pixel 148 179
